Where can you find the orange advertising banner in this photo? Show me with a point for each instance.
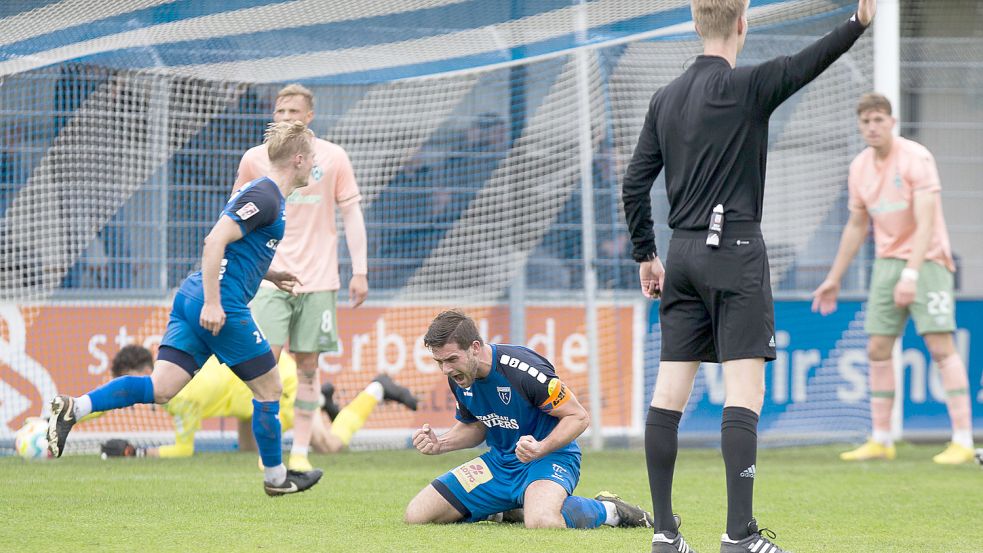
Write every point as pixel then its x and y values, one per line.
pixel 54 349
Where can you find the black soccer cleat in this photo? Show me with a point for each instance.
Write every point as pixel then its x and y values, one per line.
pixel 758 542
pixel 394 392
pixel 60 424
pixel 330 407
pixel 632 516
pixel 295 482
pixel 671 542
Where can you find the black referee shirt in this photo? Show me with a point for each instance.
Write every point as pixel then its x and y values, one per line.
pixel 709 128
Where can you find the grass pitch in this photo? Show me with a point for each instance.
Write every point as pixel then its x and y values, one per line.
pixel 215 502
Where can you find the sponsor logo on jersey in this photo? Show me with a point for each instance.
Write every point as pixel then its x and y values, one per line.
pixel 505 394
pixel 473 474
pixel 247 211
pixel 889 207
pixel 492 420
pixel 296 197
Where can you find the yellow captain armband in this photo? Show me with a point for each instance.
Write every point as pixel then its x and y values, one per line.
pixel 558 395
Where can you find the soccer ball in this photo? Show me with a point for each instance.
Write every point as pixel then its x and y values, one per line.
pixel 31 441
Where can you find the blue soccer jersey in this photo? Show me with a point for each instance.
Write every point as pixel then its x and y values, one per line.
pixel 514 400
pixel 258 209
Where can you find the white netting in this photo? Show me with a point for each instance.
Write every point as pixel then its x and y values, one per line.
pixel 123 124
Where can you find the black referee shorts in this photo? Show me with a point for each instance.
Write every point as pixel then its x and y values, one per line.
pixel 716 303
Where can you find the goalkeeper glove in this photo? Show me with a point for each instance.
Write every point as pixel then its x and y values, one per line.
pixel 121 448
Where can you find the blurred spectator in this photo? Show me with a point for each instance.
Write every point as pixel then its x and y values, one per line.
pixel 432 192
pixel 614 266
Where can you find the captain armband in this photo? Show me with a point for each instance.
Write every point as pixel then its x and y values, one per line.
pixel 558 395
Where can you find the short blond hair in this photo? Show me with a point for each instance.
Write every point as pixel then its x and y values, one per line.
pixel 286 139
pixel 715 18
pixel 297 89
pixel 875 101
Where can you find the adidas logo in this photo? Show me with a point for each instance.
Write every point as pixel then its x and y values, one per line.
pixel 771 343
pixel 748 472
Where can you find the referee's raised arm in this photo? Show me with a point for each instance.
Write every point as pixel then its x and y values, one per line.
pixel 774 81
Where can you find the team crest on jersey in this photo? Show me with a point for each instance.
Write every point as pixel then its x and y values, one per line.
pixel 505 394
pixel 317 172
pixel 247 211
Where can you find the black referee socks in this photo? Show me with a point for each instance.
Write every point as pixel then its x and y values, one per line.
pixel 661 445
pixel 739 445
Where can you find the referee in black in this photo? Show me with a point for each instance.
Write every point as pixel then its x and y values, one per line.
pixel 709 129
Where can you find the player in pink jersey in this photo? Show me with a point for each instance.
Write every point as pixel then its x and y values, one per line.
pixel 307 320
pixel 894 182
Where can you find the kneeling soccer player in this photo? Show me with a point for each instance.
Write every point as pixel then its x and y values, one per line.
pixel 510 397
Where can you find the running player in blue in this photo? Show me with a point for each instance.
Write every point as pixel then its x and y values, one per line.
pixel 210 314
pixel 510 397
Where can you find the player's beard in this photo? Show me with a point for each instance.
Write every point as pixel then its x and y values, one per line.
pixel 470 373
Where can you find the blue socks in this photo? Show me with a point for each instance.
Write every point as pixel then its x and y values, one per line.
pixel 122 392
pixel 266 430
pixel 581 512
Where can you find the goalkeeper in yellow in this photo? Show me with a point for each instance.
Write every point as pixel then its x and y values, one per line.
pixel 216 392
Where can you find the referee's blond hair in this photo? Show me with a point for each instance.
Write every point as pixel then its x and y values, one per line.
pixel 286 139
pixel 715 18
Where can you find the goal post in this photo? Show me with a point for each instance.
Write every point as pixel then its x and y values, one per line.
pixel 488 141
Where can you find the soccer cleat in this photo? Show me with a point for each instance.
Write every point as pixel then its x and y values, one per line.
pixel 60 424
pixel 955 454
pixel 870 451
pixel 663 542
pixel 330 407
pixel 758 542
pixel 632 516
pixel 299 463
pixel 394 392
pixel 295 482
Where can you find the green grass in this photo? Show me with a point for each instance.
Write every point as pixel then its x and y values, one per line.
pixel 214 502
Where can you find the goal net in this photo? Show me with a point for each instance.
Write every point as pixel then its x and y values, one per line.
pixel 488 141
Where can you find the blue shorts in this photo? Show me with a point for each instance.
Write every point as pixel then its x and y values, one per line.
pixel 239 340
pixel 491 484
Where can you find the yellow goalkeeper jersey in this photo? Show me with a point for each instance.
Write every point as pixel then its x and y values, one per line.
pixel 217 392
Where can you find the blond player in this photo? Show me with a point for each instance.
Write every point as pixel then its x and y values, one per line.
pixel 216 392
pixel 309 250
pixel 895 183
